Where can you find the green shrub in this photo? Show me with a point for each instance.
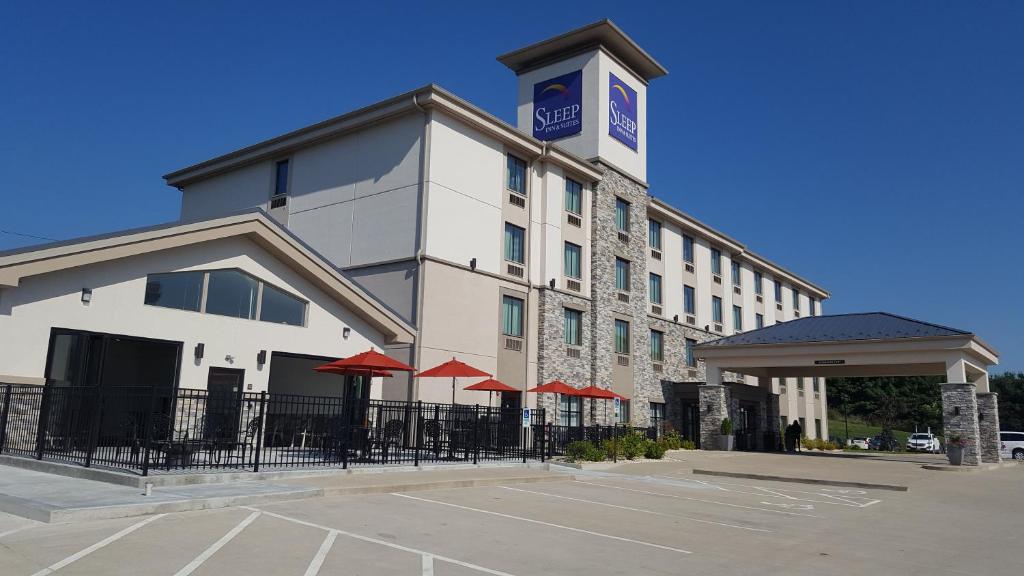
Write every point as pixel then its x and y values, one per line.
pixel 611 448
pixel 583 451
pixel 807 443
pixel 654 450
pixel 689 445
pixel 632 445
pixel 726 426
pixel 671 441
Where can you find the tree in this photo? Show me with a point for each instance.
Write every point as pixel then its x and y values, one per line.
pixel 1010 387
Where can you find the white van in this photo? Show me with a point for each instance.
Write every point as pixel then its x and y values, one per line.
pixel 1011 445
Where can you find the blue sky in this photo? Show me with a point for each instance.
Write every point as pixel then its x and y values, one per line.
pixel 874 147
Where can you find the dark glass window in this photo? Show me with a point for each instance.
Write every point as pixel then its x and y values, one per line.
pixel 516 175
pixel 232 293
pixel 281 178
pixel 716 261
pixel 180 290
pixel 282 308
pixel 654 234
pixel 688 249
pixel 689 300
pixel 691 359
pixel 573 197
pixel 657 346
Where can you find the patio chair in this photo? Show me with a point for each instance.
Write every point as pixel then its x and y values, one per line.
pixel 392 435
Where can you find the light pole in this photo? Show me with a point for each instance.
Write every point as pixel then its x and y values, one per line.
pixel 846 418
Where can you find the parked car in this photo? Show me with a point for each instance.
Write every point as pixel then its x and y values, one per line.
pixel 923 442
pixel 1011 445
pixel 881 443
pixel 861 443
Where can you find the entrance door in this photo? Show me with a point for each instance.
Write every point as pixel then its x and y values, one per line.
pixel 223 405
pixel 510 400
pixel 691 422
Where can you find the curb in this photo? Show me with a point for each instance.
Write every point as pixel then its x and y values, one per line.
pixel 443 484
pixel 769 478
pixel 984 466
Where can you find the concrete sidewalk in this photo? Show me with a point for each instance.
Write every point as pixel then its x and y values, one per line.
pixel 54 498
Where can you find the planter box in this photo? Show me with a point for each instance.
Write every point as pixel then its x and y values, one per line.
pixel 955 455
pixel 726 442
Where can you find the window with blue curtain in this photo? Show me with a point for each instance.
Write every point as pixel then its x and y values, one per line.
pixel 621 337
pixel 573 196
pixel 569 410
pixel 796 299
pixel 778 291
pixel 572 261
pixel 573 327
pixel 716 261
pixel 516 174
pixel 758 282
pixel 657 346
pixel 512 316
pixel 281 178
pixel 621 215
pixel 515 243
pixel 759 321
pixel 654 234
pixel 689 300
pixel 688 249
pixel 622 275
pixel 655 289
pixel 735 273
pixel 737 318
pixel 716 309
pixel 691 359
pixel 813 303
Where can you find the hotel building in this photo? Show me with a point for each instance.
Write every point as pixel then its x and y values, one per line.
pixel 533 251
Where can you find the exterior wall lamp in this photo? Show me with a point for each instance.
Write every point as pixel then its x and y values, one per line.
pixel 552 283
pixel 346 332
pixel 86 295
pixel 261 358
pixel 472 264
pixel 198 352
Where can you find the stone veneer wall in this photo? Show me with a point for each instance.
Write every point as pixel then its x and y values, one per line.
pixel 988 426
pixel 605 246
pixel 964 424
pixel 552 360
pixel 674 368
pixel 715 404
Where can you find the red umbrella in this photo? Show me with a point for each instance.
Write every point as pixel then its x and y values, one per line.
pixel 555 387
pixel 453 369
pixel 327 369
pixel 593 391
pixel 369 361
pixel 491 385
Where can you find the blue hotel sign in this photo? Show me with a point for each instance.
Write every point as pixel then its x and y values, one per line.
pixel 558 106
pixel 622 105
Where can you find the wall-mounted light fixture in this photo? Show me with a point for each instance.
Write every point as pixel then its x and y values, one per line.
pixel 346 332
pixel 552 283
pixel 200 348
pixel 707 327
pixel 472 264
pixel 956 410
pixel 229 359
pixel 261 358
pixel 86 295
pixel 981 416
pixel 676 318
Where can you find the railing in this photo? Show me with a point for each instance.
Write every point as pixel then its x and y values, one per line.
pixel 144 430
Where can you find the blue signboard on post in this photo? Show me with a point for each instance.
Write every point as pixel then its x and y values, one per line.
pixel 558 106
pixel 526 417
pixel 622 112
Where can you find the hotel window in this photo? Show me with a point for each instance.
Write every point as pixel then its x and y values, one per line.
pixel 758 283
pixel 716 309
pixel 654 234
pixel 812 305
pixel 657 413
pixel 657 346
pixel 572 260
pixel 281 178
pixel 689 300
pixel 280 307
pixel 621 337
pixel 516 175
pixel 621 215
pixel 569 410
pixel 817 428
pixel 778 291
pixel 655 289
pixel 691 359
pixel 815 383
pixel 512 316
pixel 737 318
pixel 796 300
pixel 759 321
pixel 716 261
pixel 573 197
pixel 573 327
pixel 178 290
pixel 688 249
pixel 623 411
pixel 232 293
pixel 515 243
pixel 735 273
pixel 800 383
pixel 622 275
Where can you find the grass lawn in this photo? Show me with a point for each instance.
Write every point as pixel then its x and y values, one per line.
pixel 859 429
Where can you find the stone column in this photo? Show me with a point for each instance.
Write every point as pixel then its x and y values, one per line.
pixel 988 426
pixel 714 407
pixel 960 418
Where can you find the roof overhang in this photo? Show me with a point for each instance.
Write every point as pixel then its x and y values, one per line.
pixel 255 226
pixel 602 34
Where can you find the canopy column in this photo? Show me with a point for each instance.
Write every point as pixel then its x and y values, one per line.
pixel 988 426
pixel 960 418
pixel 714 407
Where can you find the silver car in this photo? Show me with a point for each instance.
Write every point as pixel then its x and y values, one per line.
pixel 1011 445
pixel 923 442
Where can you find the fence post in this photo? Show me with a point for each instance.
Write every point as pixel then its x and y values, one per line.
pixel 615 442
pixel 419 432
pixel 476 436
pixel 4 416
pixel 543 435
pixel 147 431
pixel 523 446
pixel 95 421
pixel 259 432
pixel 44 416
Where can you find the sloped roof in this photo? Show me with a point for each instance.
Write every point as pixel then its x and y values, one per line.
pixel 839 328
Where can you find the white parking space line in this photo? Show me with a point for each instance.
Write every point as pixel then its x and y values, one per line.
pixel 321 554
pixel 692 499
pixel 642 510
pixel 542 523
pixel 844 497
pixel 33 524
pixel 428 565
pixel 108 540
pixel 469 565
pixel 191 566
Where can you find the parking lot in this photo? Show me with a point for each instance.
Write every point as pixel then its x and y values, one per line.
pixel 659 520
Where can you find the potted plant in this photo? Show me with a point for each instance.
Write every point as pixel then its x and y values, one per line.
pixel 955 449
pixel 726 439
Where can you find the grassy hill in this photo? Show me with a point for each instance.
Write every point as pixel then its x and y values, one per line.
pixel 861 429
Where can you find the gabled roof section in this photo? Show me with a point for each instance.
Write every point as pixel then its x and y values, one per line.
pixel 256 226
pixel 603 33
pixel 839 328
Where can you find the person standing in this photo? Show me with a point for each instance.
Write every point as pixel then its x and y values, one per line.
pixel 798 433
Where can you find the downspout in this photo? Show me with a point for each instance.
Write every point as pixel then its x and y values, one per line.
pixel 529 284
pixel 417 350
